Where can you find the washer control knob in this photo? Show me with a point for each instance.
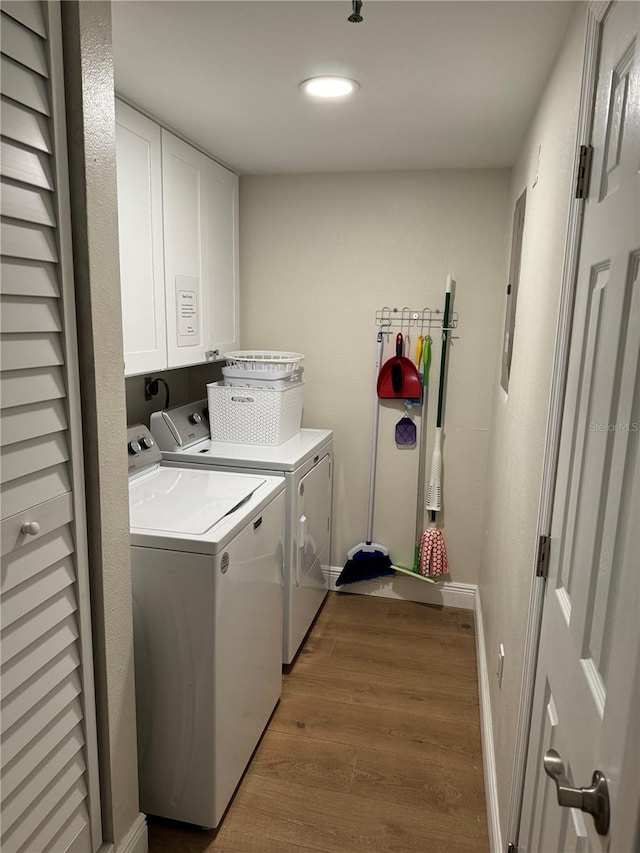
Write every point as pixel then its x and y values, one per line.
pixel 134 447
pixel 30 528
pixel 146 442
pixel 195 418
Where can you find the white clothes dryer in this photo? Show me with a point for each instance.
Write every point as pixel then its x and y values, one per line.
pixel 306 463
pixel 206 564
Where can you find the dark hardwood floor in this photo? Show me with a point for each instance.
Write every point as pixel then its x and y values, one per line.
pixel 373 748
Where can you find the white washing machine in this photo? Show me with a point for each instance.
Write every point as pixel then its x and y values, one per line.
pixel 207 563
pixel 306 462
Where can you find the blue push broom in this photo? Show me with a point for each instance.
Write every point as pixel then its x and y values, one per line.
pixel 369 559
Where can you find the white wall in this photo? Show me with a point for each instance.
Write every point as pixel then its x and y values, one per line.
pixel 318 255
pixel 544 169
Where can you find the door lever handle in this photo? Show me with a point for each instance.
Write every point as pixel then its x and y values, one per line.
pixel 593 800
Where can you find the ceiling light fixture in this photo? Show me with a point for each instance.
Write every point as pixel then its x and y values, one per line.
pixel 329 87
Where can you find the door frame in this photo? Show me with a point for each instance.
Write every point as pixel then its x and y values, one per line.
pixel 53 16
pixel 595 15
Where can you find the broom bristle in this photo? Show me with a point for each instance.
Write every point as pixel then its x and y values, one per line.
pixel 365 567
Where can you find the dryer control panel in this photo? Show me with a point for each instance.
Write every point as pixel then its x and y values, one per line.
pixel 142 451
pixel 181 427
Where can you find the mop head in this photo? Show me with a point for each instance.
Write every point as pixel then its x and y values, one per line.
pixel 365 563
pixel 433 554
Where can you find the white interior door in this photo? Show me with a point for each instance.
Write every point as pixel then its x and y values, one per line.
pixel 588 683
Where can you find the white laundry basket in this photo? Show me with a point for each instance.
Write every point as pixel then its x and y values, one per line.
pixel 274 364
pixel 254 415
pixel 260 378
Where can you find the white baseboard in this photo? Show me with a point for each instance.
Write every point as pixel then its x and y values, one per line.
pixel 136 839
pixel 409 589
pixel 486 728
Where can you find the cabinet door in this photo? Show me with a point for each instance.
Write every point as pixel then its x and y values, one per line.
pixel 140 226
pixel 185 194
pixel 221 292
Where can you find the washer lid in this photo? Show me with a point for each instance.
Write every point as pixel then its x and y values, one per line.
pixel 189 501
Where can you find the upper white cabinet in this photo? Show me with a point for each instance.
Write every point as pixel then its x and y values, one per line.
pixel 179 249
pixel 141 254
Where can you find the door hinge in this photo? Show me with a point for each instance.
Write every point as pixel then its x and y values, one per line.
pixel 584 171
pixel 512 848
pixel 542 562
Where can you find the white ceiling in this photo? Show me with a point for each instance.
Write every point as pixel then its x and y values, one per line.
pixel 443 84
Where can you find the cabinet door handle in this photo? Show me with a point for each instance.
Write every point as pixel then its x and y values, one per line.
pixel 257 523
pixel 30 528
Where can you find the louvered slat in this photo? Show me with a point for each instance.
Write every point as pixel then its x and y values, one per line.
pixel 20 387
pixel 21 277
pixel 20 495
pixel 18 704
pixel 21 163
pixel 28 12
pixel 36 624
pixel 38 721
pixel 23 86
pixel 74 836
pixel 35 591
pixel 31 790
pixel 32 421
pixel 33 242
pixel 32 205
pixel 24 125
pixel 65 726
pixel 73 804
pixel 25 458
pixel 59 801
pixel 23 45
pixel 19 352
pixel 33 557
pixel 30 314
pixel 24 666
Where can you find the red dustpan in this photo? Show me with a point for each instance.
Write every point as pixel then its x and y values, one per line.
pixel 399 377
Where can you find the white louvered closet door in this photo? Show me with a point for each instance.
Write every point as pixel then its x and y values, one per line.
pixel 49 789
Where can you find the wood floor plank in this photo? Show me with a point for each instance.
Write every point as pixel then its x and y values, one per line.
pixel 396 691
pixel 377 728
pixel 408 617
pixel 421 782
pixel 382 658
pixel 343 823
pixel 247 841
pixel 307 761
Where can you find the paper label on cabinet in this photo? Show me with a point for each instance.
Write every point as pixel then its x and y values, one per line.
pixel 188 311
